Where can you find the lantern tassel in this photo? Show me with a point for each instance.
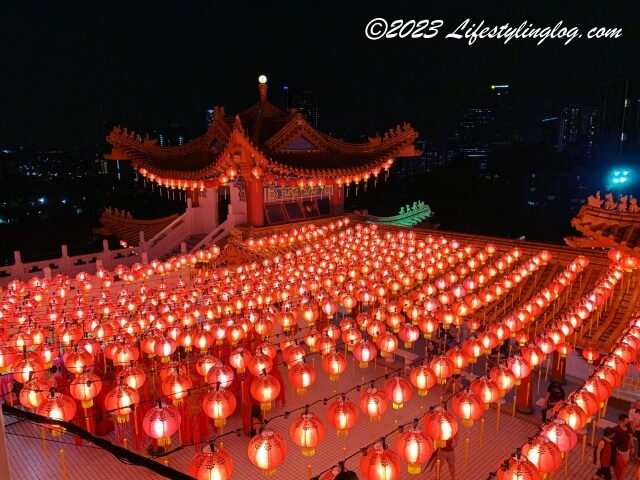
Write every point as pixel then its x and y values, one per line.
pixel 63 465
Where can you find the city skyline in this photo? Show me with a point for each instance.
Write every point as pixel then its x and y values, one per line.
pixel 124 66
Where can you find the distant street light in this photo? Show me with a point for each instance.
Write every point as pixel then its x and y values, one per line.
pixel 620 177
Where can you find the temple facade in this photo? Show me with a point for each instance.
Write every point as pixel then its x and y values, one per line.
pixel 275 167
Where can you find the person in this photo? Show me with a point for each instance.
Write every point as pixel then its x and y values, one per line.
pixel 555 393
pixel 432 349
pixel 634 416
pixel 605 455
pixel 256 418
pixel 451 337
pixel 623 440
pixel 448 455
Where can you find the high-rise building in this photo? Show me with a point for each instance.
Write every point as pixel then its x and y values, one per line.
pixel 501 104
pixel 171 136
pixel 475 130
pixel 305 101
pixel 208 116
pixel 552 131
pixel 619 119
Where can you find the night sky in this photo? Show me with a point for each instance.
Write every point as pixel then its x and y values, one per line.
pixel 63 64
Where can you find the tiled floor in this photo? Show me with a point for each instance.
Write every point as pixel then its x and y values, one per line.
pixel 87 462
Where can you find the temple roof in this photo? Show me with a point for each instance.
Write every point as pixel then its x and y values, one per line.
pixel 606 228
pixel 260 140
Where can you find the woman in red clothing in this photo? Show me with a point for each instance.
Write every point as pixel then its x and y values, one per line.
pixel 605 455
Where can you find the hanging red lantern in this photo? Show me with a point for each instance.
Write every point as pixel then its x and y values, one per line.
pixel 161 422
pixel 342 415
pixel 442 367
pixel 561 434
pixel 34 392
pixel 222 374
pixel 467 405
pixel 307 431
pixel 586 400
pixel 26 367
pixel 599 387
pixel 398 390
pixel 486 389
pixel 572 414
pixel 57 406
pixel 414 447
pixel 265 389
pixel 408 333
pixel 164 348
pixel 334 364
pixel 458 358
pixel 302 375
pixel 239 359
pixel 440 425
pixel 518 467
pixel 267 451
pixel 473 348
pixel 85 387
pixel 176 386
pixel 503 378
pixel 121 401
pixel 423 378
pixel 519 366
pixel 211 463
pixel 543 453
pixel 373 403
pixel 364 351
pixel 219 404
pixel 382 464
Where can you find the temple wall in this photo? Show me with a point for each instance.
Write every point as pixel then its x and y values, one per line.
pixel 205 216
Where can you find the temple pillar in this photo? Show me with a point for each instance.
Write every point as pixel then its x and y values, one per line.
pixel 524 393
pixel 255 202
pixel 558 368
pixel 337 199
pixel 193 195
pixel 5 471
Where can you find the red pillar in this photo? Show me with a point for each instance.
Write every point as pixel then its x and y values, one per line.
pixel 524 392
pixel 558 368
pixel 255 202
pixel 337 199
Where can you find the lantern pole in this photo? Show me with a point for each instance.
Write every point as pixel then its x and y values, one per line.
pixel 584 446
pixel 481 430
pixel 63 465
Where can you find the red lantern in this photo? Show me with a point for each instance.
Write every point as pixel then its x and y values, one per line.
pixel 561 434
pixel 364 352
pixel 85 387
pixel 518 467
pixel 267 450
pixel 301 376
pixel 120 401
pixel 543 453
pixel 459 359
pixel 219 404
pixel 408 334
pixel 573 415
pixel 382 464
pixel 440 425
pixel 161 422
pixel 503 378
pixel 265 389
pixel 307 431
pixel 519 366
pixel 34 392
pixel 442 367
pixel 398 390
pixel 211 463
pixel 486 389
pixel 57 406
pixel 373 403
pixel 423 378
pixel 176 386
pixel 467 405
pixel 222 374
pixel 239 359
pixel 342 415
pixel 414 447
pixel 334 364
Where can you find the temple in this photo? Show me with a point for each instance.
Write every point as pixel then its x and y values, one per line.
pixel 285 337
pixel 275 166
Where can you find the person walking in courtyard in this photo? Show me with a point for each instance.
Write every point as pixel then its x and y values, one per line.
pixel 605 456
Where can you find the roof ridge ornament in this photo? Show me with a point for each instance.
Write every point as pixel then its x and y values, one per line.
pixel 262 87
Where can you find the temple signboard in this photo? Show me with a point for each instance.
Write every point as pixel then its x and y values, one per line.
pixel 278 194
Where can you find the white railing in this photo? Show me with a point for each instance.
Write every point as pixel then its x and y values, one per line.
pixel 70 266
pixel 217 234
pixel 174 233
